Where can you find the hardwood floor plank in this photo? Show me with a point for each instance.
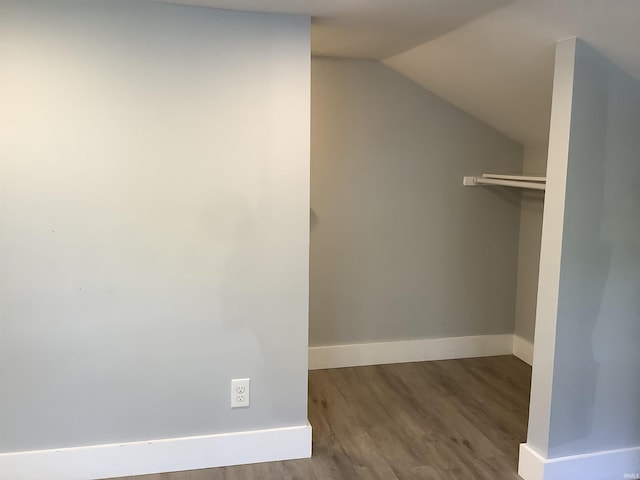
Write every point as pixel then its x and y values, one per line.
pixel 438 420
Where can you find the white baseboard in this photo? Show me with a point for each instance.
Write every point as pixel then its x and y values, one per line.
pixel 192 453
pixel 609 465
pixel 523 349
pixel 337 356
pixel 530 463
pixel 168 455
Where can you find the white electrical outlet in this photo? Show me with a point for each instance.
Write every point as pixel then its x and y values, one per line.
pixel 240 389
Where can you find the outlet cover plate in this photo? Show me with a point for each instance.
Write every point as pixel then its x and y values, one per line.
pixel 240 390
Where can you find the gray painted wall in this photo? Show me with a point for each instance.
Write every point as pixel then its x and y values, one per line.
pixel 596 386
pixel 399 248
pixel 585 386
pixel 154 221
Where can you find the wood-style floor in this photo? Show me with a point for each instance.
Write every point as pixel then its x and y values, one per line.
pixel 444 420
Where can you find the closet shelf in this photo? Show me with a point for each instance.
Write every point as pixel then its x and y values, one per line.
pixel 531 182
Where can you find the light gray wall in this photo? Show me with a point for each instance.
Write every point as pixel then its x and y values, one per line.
pixel 551 249
pixel 586 388
pixel 596 386
pixel 399 248
pixel 532 206
pixel 154 221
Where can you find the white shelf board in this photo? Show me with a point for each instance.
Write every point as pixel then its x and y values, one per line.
pixel 516 177
pixel 529 182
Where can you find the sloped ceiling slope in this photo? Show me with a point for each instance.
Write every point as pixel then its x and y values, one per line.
pixel 500 67
pixel 368 28
pixel 492 58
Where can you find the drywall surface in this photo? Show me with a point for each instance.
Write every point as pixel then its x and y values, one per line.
pixel 399 248
pixel 596 387
pixel 551 249
pixel 154 192
pixel 585 386
pixel 532 206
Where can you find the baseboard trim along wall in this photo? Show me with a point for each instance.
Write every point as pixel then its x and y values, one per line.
pixel 156 456
pixel 609 465
pixel 238 448
pixel 523 349
pixel 337 356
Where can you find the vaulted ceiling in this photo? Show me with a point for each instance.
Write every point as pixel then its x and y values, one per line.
pixel 492 58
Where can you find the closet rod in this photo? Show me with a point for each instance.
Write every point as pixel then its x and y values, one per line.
pixel 538 184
